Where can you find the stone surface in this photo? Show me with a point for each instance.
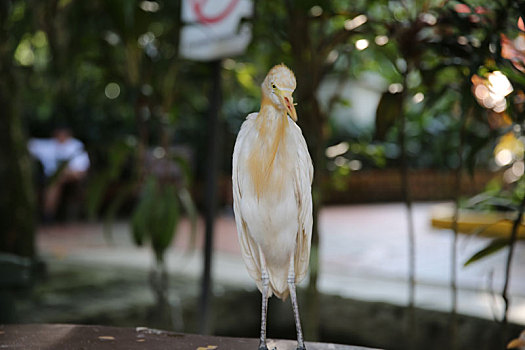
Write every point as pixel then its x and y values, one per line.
pixel 64 336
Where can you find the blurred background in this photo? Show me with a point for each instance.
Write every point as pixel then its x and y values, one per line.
pixel 117 129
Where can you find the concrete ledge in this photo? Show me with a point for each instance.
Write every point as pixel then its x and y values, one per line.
pixel 65 336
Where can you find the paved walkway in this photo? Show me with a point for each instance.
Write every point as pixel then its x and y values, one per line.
pixel 363 256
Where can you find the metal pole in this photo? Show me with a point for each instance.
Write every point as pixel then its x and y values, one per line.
pixel 210 193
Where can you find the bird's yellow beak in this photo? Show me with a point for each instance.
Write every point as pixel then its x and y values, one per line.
pixel 516 344
pixel 287 99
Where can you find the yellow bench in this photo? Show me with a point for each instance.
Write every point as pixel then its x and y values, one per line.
pixel 470 221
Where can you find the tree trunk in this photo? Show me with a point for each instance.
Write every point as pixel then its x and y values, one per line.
pixel 17 199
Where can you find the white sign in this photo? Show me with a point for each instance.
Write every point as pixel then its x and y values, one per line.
pixel 213 28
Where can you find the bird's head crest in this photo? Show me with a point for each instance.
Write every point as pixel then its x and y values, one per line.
pixel 278 86
pixel 282 76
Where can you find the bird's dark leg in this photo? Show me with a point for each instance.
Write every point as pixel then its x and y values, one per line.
pixel 265 281
pixel 293 296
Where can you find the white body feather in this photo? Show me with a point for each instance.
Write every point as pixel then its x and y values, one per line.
pixel 277 221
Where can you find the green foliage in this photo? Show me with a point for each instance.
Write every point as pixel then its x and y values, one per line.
pixel 155 217
pixel 67 55
pixel 388 112
pixel 158 205
pixel 498 197
pixel 117 156
pixel 493 247
pixel 502 199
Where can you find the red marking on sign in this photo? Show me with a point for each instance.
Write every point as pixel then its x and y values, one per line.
pixel 198 5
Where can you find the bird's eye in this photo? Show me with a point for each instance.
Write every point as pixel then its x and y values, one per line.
pixel 274 87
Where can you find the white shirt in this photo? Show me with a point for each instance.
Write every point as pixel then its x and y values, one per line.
pixel 52 154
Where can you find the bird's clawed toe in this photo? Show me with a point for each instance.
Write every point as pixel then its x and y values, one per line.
pixel 262 346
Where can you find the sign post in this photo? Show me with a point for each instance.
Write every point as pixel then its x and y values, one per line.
pixel 213 30
pixel 213 150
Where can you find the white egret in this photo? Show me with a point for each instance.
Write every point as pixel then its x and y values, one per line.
pixel 272 177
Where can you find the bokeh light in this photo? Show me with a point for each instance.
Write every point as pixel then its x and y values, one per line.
pixel 112 91
pixel 361 44
pixel 351 24
pixel 395 88
pixel 492 91
pixel 418 97
pixel 316 11
pixel 504 157
pixel 149 6
pixel 337 150
pixel 381 40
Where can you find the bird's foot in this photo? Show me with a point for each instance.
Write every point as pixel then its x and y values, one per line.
pixel 264 347
pixel 301 346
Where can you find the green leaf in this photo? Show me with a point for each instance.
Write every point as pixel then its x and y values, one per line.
pixel 164 220
pixel 184 165
pixel 100 182
pixel 388 111
pixel 140 220
pixel 493 247
pixel 138 224
pixel 97 187
pixel 191 210
pixel 113 209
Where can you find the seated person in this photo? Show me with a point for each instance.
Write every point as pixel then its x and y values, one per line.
pixel 64 160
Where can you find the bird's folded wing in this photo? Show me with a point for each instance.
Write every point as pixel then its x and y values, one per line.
pixel 303 176
pixel 249 249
